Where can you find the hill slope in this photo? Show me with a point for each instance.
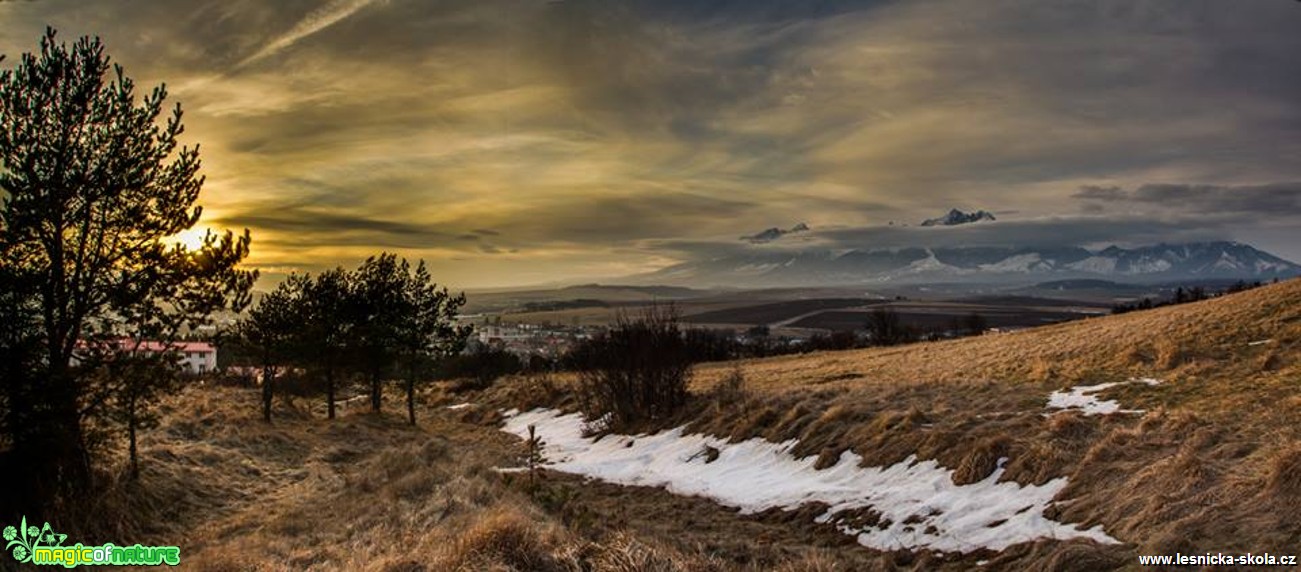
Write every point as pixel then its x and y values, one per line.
pixel 1207 460
pixel 1177 429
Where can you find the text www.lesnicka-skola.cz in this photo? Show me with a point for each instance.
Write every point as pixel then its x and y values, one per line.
pixel 1218 559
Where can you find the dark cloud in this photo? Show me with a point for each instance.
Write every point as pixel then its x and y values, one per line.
pixel 1278 199
pixel 314 228
pixel 1272 201
pixel 1053 231
pixel 1094 192
pixel 613 221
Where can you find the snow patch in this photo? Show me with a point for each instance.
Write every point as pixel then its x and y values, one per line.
pixel 1095 264
pixel 460 406
pixel 1019 263
pixel 1260 342
pixel 918 504
pixel 1082 398
pixel 1147 265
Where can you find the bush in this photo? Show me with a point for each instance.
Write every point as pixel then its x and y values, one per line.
pixel 840 340
pixel 730 390
pixel 635 373
pixel 711 345
pixel 479 369
pixel 885 328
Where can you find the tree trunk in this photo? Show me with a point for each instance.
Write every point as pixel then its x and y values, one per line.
pixel 131 433
pixel 411 399
pixel 329 392
pixel 374 392
pixel 51 444
pixel 267 377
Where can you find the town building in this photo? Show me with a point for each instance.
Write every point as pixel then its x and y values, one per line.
pixel 192 357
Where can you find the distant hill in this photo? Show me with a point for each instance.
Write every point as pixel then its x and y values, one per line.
pixel 1081 284
pixel 583 295
pixel 655 291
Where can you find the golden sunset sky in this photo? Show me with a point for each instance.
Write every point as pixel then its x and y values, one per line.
pixel 524 142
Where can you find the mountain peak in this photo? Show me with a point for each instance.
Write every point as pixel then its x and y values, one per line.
pixel 774 233
pixel 956 217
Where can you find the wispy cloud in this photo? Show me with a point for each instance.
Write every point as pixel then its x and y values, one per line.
pixel 315 21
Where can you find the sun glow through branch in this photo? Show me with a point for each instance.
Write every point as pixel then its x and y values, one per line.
pixel 191 238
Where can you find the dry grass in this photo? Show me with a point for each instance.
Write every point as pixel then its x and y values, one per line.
pixel 981 461
pixel 1211 465
pixel 367 492
pixel 1163 340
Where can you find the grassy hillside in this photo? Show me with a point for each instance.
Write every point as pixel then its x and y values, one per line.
pixel 1212 463
pixel 368 492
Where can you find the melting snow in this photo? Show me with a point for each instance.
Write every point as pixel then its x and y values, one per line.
pixel 1260 342
pixel 459 406
pixel 1082 398
pixel 918 504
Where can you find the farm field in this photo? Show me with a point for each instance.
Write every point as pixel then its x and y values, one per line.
pixel 938 316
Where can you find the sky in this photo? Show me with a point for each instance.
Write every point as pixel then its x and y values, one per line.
pixel 521 142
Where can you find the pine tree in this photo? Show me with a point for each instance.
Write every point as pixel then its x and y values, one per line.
pixel 94 186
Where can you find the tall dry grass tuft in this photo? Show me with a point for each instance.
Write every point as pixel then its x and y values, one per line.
pixel 1169 354
pixel 1285 477
pixel 1042 370
pixel 505 539
pixel 1070 426
pixel 729 392
pixel 1073 557
pixel 623 552
pixel 1270 360
pixel 820 562
pixel 1138 355
pixel 981 461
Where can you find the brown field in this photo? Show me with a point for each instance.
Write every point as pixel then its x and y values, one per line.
pixel 775 312
pixel 822 314
pixel 939 316
pixel 1214 464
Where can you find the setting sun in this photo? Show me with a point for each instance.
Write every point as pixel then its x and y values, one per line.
pixel 190 239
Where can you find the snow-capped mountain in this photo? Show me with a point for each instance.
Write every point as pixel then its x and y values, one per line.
pixel 956 217
pixel 1162 262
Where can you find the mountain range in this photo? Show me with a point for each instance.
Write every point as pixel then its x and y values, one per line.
pixel 822 267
